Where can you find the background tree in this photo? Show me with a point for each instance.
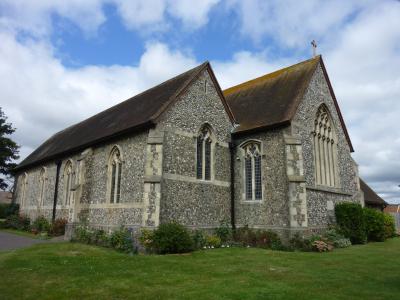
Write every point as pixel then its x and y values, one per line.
pixel 8 152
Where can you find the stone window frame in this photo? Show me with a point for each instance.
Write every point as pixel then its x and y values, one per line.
pixel 113 157
pixel 325 142
pixel 211 137
pixel 68 186
pixel 42 186
pixel 242 159
pixel 23 189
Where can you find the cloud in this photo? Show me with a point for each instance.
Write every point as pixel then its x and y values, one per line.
pixel 292 23
pixel 145 16
pixel 41 96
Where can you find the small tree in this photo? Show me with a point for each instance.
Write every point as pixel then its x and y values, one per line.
pixel 8 151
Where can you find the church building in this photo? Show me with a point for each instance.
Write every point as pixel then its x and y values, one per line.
pixel 271 153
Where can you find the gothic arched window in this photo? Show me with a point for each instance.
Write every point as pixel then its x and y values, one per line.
pixel 42 186
pixel 23 187
pixel 204 154
pixel 324 139
pixel 68 182
pixel 252 171
pixel 114 175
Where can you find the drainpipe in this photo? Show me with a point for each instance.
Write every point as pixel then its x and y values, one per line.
pixel 56 190
pixel 232 153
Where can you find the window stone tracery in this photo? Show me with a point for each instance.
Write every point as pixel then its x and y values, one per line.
pixel 204 154
pixel 252 171
pixel 325 147
pixel 115 167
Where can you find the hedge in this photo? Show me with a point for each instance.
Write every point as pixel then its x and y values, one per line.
pixel 350 220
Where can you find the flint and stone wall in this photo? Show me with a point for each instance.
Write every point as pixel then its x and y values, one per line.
pixel 272 212
pixel 320 199
pixel 90 203
pixel 186 199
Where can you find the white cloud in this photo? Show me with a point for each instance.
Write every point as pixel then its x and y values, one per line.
pixel 35 17
pixel 41 96
pixel 292 23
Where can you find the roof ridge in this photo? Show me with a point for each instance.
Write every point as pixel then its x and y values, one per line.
pixel 250 82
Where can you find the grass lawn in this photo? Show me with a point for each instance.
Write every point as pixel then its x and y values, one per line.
pixel 75 271
pixel 26 234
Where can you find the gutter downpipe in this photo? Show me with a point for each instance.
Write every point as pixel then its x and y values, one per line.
pixel 56 190
pixel 232 165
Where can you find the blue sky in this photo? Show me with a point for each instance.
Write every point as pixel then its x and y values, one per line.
pixel 62 61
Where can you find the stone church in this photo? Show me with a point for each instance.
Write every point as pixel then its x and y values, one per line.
pixel 270 153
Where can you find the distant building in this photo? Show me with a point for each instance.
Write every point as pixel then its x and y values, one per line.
pixel 5 197
pixel 394 210
pixel 371 199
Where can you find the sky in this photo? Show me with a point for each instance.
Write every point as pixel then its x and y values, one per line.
pixel 63 61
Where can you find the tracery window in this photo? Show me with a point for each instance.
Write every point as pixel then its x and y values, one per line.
pixel 324 139
pixel 23 188
pixel 252 171
pixel 204 153
pixel 42 186
pixel 114 171
pixel 68 182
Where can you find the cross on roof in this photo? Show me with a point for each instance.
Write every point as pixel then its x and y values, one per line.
pixel 314 46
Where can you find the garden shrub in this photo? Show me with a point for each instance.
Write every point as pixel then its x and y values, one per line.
pixel 121 240
pixel 298 242
pixel 374 224
pixel 19 222
pixel 224 231
pixel 257 238
pixel 172 238
pixel 146 239
pixel 40 225
pixel 213 241
pixel 350 221
pixel 57 228
pixel 199 239
pixel 321 246
pixel 337 239
pixel 82 235
pixel 390 227
pixel 8 209
pixel 100 238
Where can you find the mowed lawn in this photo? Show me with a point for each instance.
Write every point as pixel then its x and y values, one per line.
pixel 75 271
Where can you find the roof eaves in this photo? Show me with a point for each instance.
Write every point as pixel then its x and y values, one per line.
pixel 82 147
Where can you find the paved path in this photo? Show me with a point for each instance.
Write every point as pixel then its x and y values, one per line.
pixel 9 241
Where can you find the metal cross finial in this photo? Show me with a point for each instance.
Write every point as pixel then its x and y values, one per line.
pixel 314 46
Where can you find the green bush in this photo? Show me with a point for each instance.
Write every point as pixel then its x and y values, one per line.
pixel 390 227
pixel 224 231
pixel 8 209
pixel 374 224
pixel 19 222
pixel 199 239
pixel 40 225
pixel 213 241
pixel 82 235
pixel 57 228
pixel 298 242
pixel 121 240
pixel 257 238
pixel 172 238
pixel 350 221
pixel 146 239
pixel 337 239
